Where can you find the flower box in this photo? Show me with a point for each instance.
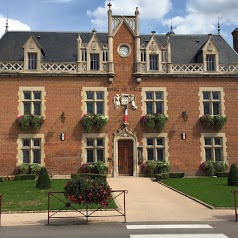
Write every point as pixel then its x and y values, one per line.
pixel 154 121
pixel 27 122
pixel 209 121
pixel 91 121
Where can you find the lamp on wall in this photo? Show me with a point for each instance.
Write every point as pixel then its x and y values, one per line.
pixel 184 115
pixel 62 117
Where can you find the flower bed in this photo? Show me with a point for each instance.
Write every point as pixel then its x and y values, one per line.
pixel 86 190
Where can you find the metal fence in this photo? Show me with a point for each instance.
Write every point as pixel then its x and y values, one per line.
pixel 87 212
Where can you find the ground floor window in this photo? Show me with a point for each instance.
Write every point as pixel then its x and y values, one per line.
pixel 155 147
pixel 214 147
pixel 30 148
pixel 95 149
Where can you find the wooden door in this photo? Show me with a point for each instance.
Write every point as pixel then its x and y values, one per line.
pixel 125 157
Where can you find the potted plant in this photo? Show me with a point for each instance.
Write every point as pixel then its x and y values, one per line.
pixel 88 122
pixel 36 122
pixel 160 121
pixel 24 121
pixel 100 121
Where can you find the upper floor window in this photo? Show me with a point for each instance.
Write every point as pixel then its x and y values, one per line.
pixel 154 62
pixel 94 61
pixel 32 102
pixel 154 101
pixel 95 102
pixel 212 102
pixel 155 149
pixel 32 61
pixel 95 149
pixel 211 63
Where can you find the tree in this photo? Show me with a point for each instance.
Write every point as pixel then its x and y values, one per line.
pixel 233 176
pixel 43 180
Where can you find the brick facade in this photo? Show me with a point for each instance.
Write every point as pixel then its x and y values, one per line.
pixel 63 94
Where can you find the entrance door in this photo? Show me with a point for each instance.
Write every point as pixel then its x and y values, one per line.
pixel 125 157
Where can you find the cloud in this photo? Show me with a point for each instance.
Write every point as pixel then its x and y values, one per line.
pixel 149 10
pixel 13 25
pixel 202 16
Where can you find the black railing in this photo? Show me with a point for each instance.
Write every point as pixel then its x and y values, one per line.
pixel 87 211
pixel 0 208
pixel 235 203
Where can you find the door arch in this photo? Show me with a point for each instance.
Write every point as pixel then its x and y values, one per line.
pixel 121 137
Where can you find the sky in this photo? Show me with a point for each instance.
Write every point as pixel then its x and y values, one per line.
pixel 185 16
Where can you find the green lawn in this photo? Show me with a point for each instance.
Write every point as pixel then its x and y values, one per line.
pixel 211 190
pixel 24 196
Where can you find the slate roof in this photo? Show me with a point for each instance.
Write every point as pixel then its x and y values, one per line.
pixel 62 46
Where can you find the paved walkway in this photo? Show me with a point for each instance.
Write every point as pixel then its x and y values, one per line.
pixel 146 201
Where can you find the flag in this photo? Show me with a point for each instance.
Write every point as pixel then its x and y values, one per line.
pixel 126 116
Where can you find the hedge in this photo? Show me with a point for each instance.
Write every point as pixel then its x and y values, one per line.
pixel 24 177
pixel 222 174
pixel 176 175
pixel 93 176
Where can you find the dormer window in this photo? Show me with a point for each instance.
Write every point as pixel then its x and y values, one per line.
pixel 32 61
pixel 211 65
pixel 94 61
pixel 154 62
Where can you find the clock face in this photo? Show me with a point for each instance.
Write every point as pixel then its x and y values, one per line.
pixel 124 50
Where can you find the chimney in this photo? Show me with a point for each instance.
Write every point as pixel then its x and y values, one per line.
pixel 235 39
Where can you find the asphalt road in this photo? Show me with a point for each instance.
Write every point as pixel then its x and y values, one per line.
pixel 124 230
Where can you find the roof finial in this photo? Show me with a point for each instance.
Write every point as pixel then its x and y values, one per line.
pixel 6 27
pixel 219 27
pixel 171 28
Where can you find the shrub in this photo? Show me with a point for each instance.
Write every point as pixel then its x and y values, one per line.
pixel 213 167
pixel 28 169
pixel 92 176
pixel 152 167
pixel 88 190
pixel 98 167
pixel 43 180
pixel 24 177
pixel 2 179
pixel 232 176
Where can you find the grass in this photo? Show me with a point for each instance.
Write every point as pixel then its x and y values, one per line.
pixel 213 191
pixel 24 196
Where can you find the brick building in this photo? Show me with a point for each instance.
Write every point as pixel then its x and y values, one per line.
pixel 122 75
